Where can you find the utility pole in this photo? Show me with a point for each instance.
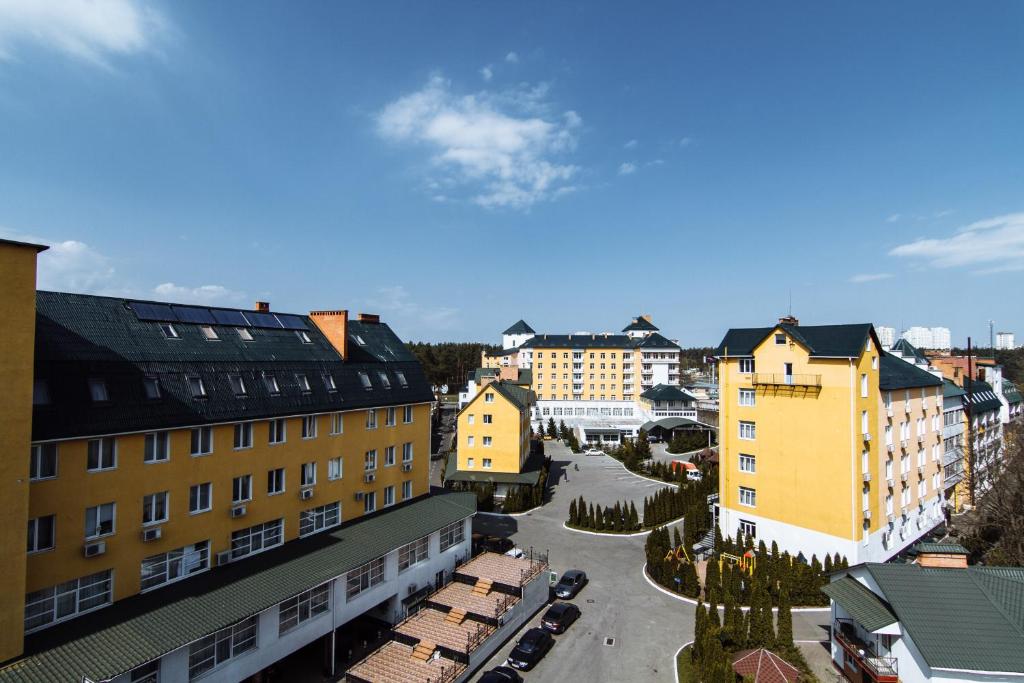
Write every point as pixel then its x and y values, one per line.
pixel 992 337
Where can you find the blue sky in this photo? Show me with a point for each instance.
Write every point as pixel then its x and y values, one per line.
pixel 457 166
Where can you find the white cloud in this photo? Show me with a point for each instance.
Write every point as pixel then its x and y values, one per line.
pixel 90 30
pixel 990 246
pixel 487 73
pixel 894 218
pixel 203 294
pixel 512 58
pixel 630 145
pixel 503 145
pixel 74 266
pixel 395 302
pixel 627 168
pixel 869 277
pixel 685 142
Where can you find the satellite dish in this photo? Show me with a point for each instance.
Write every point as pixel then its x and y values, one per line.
pixel 444 388
pixel 434 388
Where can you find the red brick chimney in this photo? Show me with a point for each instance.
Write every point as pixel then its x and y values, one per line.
pixel 369 318
pixel 263 306
pixel 334 325
pixel 942 555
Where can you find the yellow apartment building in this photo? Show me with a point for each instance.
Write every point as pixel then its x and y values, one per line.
pixel 827 444
pixel 494 429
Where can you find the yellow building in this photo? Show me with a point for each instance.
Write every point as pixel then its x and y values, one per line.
pixel 827 444
pixel 494 429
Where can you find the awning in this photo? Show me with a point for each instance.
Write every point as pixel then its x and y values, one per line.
pixel 866 608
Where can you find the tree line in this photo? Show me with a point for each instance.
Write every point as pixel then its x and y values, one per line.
pixel 448 362
pixel 620 518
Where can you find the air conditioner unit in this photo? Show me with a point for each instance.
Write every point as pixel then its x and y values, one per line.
pixel 305 494
pixel 904 476
pixel 369 477
pixel 920 470
pixel 94 549
pixel 907 406
pixel 359 495
pixel 407 467
pixel 151 534
pixel 412 589
pixel 238 511
pixel 888 411
pixel 867 514
pixel 867 436
pixel 890 482
pixel 891 447
pixel 890 519
pixel 903 444
pixel 920 438
pixel 224 557
pixel 867 476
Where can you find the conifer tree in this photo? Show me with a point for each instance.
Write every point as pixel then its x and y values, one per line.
pixel 699 631
pixel 563 431
pixel 828 564
pixel 552 429
pixel 634 519
pixel 784 636
pixel 739 541
pixel 617 517
pixel 712 579
pixel 599 518
pixel 573 518
pixel 590 517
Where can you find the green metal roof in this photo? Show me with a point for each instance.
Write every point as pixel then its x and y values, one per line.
pixel 656 340
pixel 1011 392
pixel 519 327
pixel 983 397
pixel 640 324
pixel 866 608
pixel 578 341
pixel 908 349
pixel 941 548
pixel 899 374
pixel 139 629
pixel 828 341
pixel 667 392
pixel 519 396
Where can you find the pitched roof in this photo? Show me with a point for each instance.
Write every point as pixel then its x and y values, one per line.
pixel 640 324
pixel 823 341
pixel 502 352
pixel 764 666
pixel 141 628
pixel 940 548
pixel 864 606
pixel 480 373
pixel 982 396
pixel 518 395
pixel 1011 392
pixel 519 327
pixel 656 341
pixel 898 374
pixel 673 423
pixel 667 392
pixel 908 349
pixel 578 341
pixel 979 609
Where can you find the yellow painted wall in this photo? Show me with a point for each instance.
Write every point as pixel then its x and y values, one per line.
pixel 18 313
pixel 509 432
pixel 559 362
pixel 75 489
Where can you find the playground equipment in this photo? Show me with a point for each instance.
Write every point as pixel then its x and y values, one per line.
pixel 679 555
pixel 747 562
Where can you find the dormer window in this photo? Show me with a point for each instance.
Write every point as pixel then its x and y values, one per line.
pixel 169 331
pixel 98 391
pixel 384 379
pixel 40 393
pixel 303 336
pixel 237 385
pixel 243 334
pixel 151 385
pixel 401 379
pixel 196 386
pixel 359 340
pixel 329 383
pixel 303 383
pixel 365 379
pixel 209 334
pixel 780 339
pixel 271 383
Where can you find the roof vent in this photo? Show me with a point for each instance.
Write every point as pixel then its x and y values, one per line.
pixel 263 306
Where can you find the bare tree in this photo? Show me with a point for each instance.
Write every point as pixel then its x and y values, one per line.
pixel 996 529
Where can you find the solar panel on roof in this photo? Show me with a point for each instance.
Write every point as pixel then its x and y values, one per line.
pixel 225 317
pixel 262 319
pixel 147 311
pixel 194 314
pixel 291 322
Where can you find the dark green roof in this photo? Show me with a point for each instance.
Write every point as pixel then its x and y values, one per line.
pixel 656 340
pixel 519 396
pixel 519 328
pixel 940 548
pixel 81 337
pixel 959 618
pixel 866 608
pixel 578 341
pixel 908 349
pixel 139 629
pixel 525 377
pixel 823 341
pixel 1011 392
pixel 982 396
pixel 899 374
pixel 502 352
pixel 480 373
pixel 640 324
pixel 667 392
pixel 529 476
pixel 672 423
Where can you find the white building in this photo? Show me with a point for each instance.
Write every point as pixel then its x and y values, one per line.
pixel 886 336
pixel 1005 341
pixel 928 337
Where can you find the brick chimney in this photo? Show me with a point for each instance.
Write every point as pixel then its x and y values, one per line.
pixel 941 555
pixel 509 373
pixel 263 306
pixel 789 320
pixel 334 325
pixel 369 318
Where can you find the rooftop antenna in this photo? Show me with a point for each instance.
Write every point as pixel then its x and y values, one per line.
pixel 790 312
pixel 992 337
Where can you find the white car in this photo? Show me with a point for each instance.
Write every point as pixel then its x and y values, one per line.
pixel 515 552
pixel 593 451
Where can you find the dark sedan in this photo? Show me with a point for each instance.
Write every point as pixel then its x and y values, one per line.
pixel 534 644
pixel 559 617
pixel 570 584
pixel 501 674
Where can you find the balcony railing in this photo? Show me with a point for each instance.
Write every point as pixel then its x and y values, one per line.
pixel 782 379
pixel 881 669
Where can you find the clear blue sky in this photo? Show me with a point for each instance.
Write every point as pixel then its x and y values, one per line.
pixel 457 166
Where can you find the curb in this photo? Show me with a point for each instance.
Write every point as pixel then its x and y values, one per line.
pixel 675 660
pixel 566 526
pixel 510 514
pixel 691 601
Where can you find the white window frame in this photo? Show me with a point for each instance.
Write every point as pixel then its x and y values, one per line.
pixel 97 511
pixel 389 456
pixel 307 605
pixel 35 542
pixel 105 449
pixel 257 538
pixel 82 591
pixel 241 489
pixel 174 565
pixel 411 554
pixel 747 397
pixel 199 489
pixel 748 463
pixel 452 535
pixel 335 468
pixel 407 415
pixel 210 653
pixel 371 418
pixel 317 519
pixel 407 454
pixel 363 578
pixel 243 436
pixel 309 426
pixel 156 447
pixel 201 441
pixel 277 431
pixel 390 417
pixel 389 496
pixel 746 366
pixel 273 480
pixel 307 474
pixel 748 430
pixel 407 489
pixel 42 454
pixel 748 496
pixel 150 507
pixel 337 424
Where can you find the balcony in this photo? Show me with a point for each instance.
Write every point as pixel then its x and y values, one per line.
pixel 784 380
pixel 879 669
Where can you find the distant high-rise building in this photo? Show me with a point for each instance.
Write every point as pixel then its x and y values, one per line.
pixel 1005 341
pixel 928 337
pixel 886 335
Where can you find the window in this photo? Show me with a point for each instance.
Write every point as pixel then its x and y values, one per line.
pixel 863 422
pixel 241 488
pixel 337 424
pixel 389 418
pixel 370 460
pixel 406 490
pixel 309 426
pixel 168 331
pixel 488 398
pixel 488 419
pixel 244 334
pixel 275 481
pixel 151 386
pixel 453 534
pixel 41 533
pixel 384 379
pixel 270 382
pixel 156 447
pixel 334 469
pixel 747 397
pixel 364 578
pixel 389 456
pixel 748 463
pixel 319 518
pixel 748 496
pixel 174 565
pixel 364 379
pixel 67 600
pixel 469 441
pixel 487 441
pixel 863 385
pixel 256 538
pixel 407 414
pixel 412 553
pixel 402 382
pixel 43 461
pixel 303 382
pixel 487 463
pixel 147 673
pixel 780 339
pixel 278 431
pixel 371 419
pixel 303 336
pixel 470 419
pixel 329 383
pixel 154 508
pixel 243 435
pixel 369 502
pixel 307 474
pixel 303 607
pixel 748 528
pixel 746 365
pixel 748 430
pixel 407 451
pixel 874 362
pixel 99 520
pixel 209 334
pixel 237 385
pixel 102 454
pixel 389 495
pixel 200 497
pixel 196 386
pixel 212 651
pixel 202 441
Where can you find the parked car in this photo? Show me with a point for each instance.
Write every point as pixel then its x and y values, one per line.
pixel 501 674
pixel 495 544
pixel 515 552
pixel 593 451
pixel 530 649
pixel 570 584
pixel 559 617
